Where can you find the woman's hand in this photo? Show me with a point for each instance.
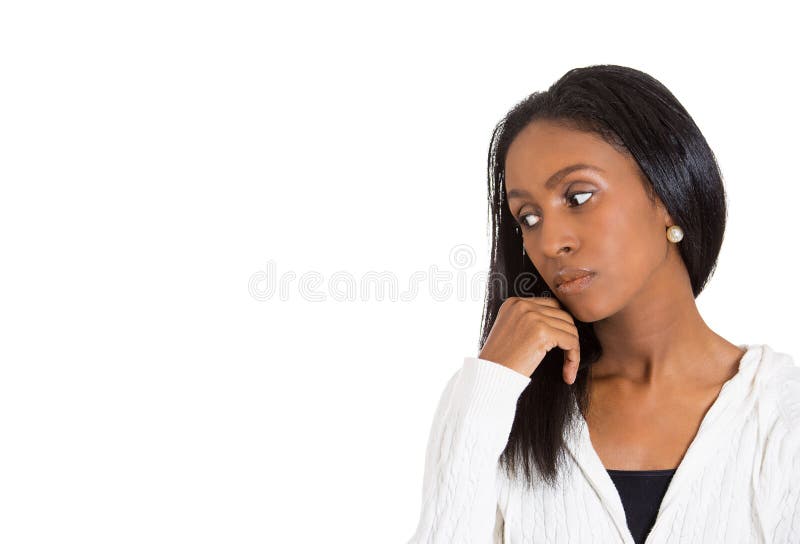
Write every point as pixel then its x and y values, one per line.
pixel 527 328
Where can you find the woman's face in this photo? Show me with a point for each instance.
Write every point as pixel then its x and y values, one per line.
pixel 597 217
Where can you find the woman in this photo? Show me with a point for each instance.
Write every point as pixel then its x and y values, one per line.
pixel 609 412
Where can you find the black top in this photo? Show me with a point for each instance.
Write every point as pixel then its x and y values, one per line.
pixel 641 492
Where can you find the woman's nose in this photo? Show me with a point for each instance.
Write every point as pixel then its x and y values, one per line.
pixel 557 239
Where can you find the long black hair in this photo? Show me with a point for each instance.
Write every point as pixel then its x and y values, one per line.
pixel 641 118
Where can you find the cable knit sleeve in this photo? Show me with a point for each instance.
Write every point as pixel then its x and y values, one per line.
pixel 469 432
pixel 789 520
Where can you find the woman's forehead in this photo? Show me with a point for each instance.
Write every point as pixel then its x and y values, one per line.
pixel 544 149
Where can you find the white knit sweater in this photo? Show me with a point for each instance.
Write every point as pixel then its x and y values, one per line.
pixel 739 481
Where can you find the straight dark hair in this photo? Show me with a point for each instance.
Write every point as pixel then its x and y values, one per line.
pixel 641 118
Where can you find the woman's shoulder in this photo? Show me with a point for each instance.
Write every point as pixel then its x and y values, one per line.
pixel 779 428
pixel 780 377
pixel 788 385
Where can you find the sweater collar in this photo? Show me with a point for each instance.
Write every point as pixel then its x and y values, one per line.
pixel 735 398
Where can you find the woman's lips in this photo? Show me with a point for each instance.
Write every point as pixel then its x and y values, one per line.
pixel 577 285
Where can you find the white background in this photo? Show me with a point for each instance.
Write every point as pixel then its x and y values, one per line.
pixel 155 157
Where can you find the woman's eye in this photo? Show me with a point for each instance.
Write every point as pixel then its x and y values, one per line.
pixel 583 197
pixel 579 194
pixel 524 220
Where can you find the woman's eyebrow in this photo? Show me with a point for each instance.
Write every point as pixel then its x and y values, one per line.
pixel 553 180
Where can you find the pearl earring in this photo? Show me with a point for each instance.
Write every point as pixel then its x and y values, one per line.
pixel 675 234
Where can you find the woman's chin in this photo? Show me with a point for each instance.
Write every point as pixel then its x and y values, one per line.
pixel 582 309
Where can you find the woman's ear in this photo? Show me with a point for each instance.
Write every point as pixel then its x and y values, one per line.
pixel 662 210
